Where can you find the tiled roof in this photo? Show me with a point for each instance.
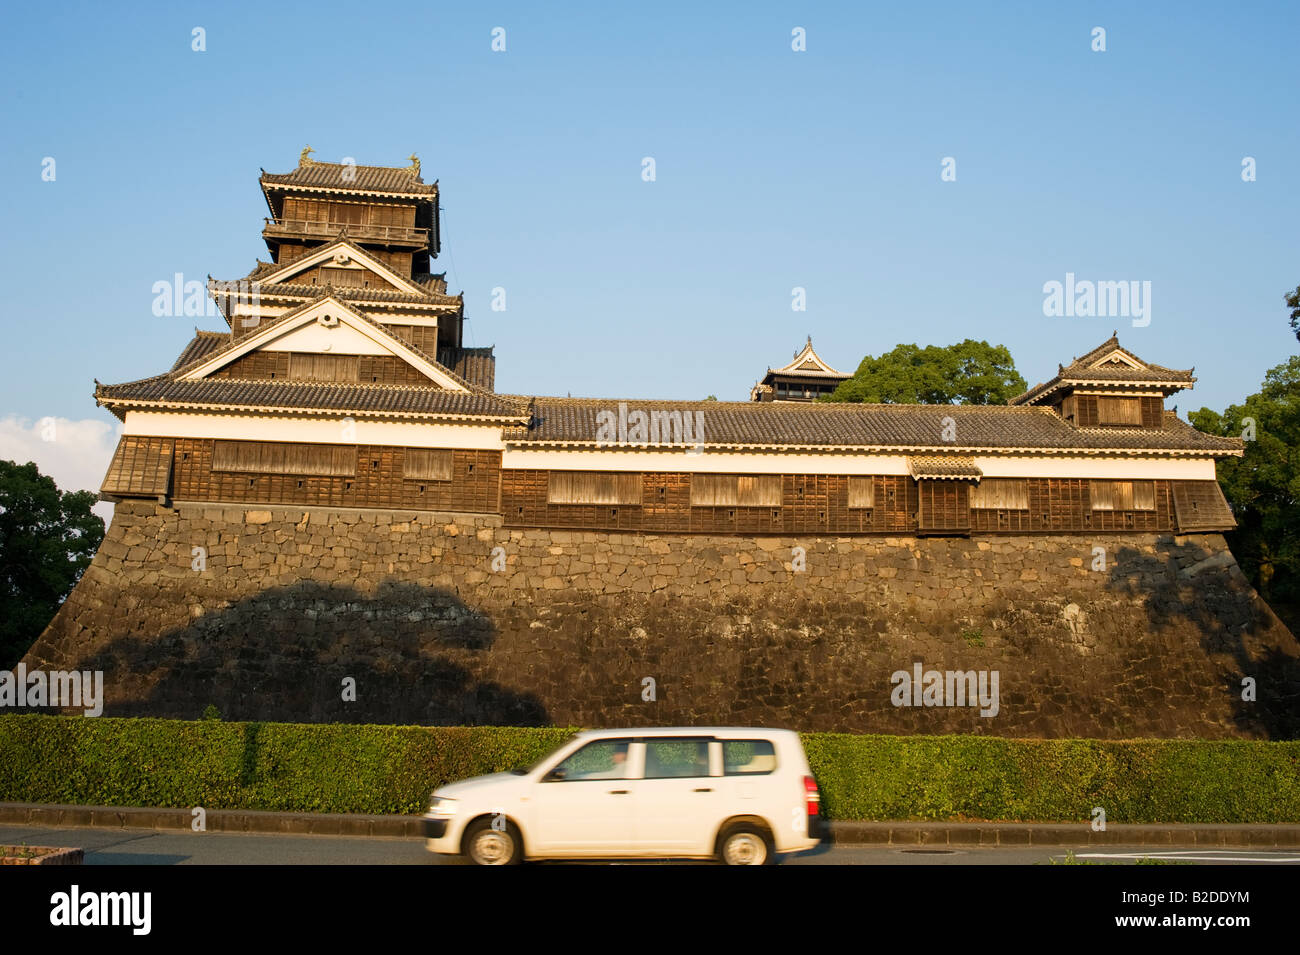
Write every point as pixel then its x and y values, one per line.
pixel 434 281
pixel 200 346
pixel 815 425
pixel 475 365
pixel 282 394
pixel 345 292
pixel 1078 372
pixel 953 467
pixel 329 175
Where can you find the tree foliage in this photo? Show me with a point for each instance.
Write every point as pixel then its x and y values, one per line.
pixel 1263 486
pixel 968 373
pixel 47 538
pixel 1293 303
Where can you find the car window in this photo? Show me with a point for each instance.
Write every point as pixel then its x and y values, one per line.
pixel 676 758
pixel 599 759
pixel 748 757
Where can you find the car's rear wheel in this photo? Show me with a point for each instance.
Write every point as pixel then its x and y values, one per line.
pixel 745 844
pixel 486 844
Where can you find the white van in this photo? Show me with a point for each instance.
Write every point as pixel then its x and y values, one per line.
pixel 738 795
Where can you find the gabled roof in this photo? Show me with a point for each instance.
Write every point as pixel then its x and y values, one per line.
pixel 749 425
pixel 807 363
pixel 272 280
pixel 1109 364
pixel 327 254
pixel 308 313
pixel 313 176
pixel 185 385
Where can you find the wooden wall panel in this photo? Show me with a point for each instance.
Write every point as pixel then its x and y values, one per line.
pixel 258 365
pixel 810 504
pixel 1153 413
pixel 378 482
pixel 391 370
pixel 423 337
pixel 665 501
pixel 328 275
pixel 1085 407
pixel 945 507
pixel 305 366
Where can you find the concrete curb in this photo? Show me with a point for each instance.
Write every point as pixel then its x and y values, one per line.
pixel 909 834
pixel 968 834
pixel 218 820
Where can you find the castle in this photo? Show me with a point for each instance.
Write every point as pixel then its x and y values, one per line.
pixel 340 435
pixel 343 382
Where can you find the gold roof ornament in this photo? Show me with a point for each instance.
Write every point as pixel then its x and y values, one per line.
pixel 415 164
pixel 304 157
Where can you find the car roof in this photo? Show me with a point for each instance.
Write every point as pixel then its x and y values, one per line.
pixel 748 731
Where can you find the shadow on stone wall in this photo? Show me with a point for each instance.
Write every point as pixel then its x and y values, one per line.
pixel 283 655
pixel 1189 593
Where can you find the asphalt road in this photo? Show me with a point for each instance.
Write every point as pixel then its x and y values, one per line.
pixel 148 847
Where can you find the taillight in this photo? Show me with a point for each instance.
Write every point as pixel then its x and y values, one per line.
pixel 812 796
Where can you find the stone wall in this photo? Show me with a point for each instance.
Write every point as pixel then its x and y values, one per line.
pixel 447 619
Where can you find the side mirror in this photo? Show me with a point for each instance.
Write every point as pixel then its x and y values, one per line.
pixel 558 774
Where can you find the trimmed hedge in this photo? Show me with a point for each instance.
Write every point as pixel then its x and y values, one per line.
pixel 364 768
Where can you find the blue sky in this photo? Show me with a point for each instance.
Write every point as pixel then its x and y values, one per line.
pixel 774 169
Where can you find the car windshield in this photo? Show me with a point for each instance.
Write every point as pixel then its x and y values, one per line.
pixel 525 770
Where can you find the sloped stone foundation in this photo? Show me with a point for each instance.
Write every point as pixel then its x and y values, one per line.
pixel 438 618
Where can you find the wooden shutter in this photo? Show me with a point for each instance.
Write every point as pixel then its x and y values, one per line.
pixel 313 367
pixel 427 464
pixel 265 457
pixel 862 492
pixel 140 466
pixel 735 490
pixel 593 487
pixel 1123 495
pixel 1003 494
pixel 1200 506
pixel 1119 411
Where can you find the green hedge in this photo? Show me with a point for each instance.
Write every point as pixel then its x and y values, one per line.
pixel 392 769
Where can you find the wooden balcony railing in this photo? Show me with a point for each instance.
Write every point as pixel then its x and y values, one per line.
pixel 363 230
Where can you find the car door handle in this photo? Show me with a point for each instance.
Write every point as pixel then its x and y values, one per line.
pixel 704 790
pixel 618 792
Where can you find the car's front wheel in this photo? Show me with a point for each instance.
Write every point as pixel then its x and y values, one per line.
pixel 745 844
pixel 488 844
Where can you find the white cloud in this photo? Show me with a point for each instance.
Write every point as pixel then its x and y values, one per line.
pixel 74 453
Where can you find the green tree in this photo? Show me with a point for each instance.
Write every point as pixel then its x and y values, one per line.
pixel 47 538
pixel 1293 303
pixel 1263 486
pixel 968 373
